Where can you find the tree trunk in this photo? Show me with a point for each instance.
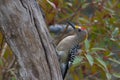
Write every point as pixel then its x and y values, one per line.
pixel 25 31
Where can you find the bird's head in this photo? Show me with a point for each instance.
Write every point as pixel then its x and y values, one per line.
pixel 80 31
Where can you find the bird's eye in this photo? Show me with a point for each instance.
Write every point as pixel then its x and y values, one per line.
pixel 79 30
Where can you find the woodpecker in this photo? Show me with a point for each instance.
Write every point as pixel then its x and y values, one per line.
pixel 69 47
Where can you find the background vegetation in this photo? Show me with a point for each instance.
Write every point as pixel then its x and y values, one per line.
pixel 100 59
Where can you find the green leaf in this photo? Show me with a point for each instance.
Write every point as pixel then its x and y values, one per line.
pixel 84 20
pixel 69 4
pixel 115 32
pixel 77 60
pixel 101 67
pixel 13 78
pixel 110 3
pixel 87 45
pixel 97 49
pixel 51 3
pixel 85 5
pixel 90 59
pixel 101 62
pixel 1 62
pixel 110 10
pixel 114 60
pixel 107 74
pixel 117 75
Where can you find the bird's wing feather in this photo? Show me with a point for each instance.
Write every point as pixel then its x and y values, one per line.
pixel 65 44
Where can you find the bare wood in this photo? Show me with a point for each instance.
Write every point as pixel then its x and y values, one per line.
pixel 26 33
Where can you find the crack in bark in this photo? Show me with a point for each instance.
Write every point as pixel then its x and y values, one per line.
pixel 23 4
pixel 34 20
pixel 43 46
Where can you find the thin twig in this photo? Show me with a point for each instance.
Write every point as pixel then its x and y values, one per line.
pixel 3 50
pixel 72 16
pixel 2 42
pixel 7 69
pixel 12 63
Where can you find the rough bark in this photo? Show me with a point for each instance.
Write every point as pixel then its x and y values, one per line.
pixel 26 33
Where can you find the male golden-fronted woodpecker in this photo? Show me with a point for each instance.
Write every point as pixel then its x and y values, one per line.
pixel 69 47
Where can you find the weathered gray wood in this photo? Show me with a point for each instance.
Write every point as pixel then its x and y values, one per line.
pixel 26 33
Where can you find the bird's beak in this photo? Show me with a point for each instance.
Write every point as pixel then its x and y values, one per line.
pixel 78 27
pixel 73 25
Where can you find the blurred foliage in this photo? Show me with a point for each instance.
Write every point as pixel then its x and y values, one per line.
pixel 7 61
pixel 100 58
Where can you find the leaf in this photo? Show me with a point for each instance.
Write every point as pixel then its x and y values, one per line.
pixel 110 10
pixel 110 3
pixel 87 45
pixel 85 5
pixel 101 67
pixel 1 62
pixel 117 75
pixel 52 4
pixel 69 4
pixel 108 75
pixel 101 62
pixel 13 78
pixel 77 61
pixel 84 20
pixel 114 60
pixel 97 49
pixel 90 59
pixel 115 32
